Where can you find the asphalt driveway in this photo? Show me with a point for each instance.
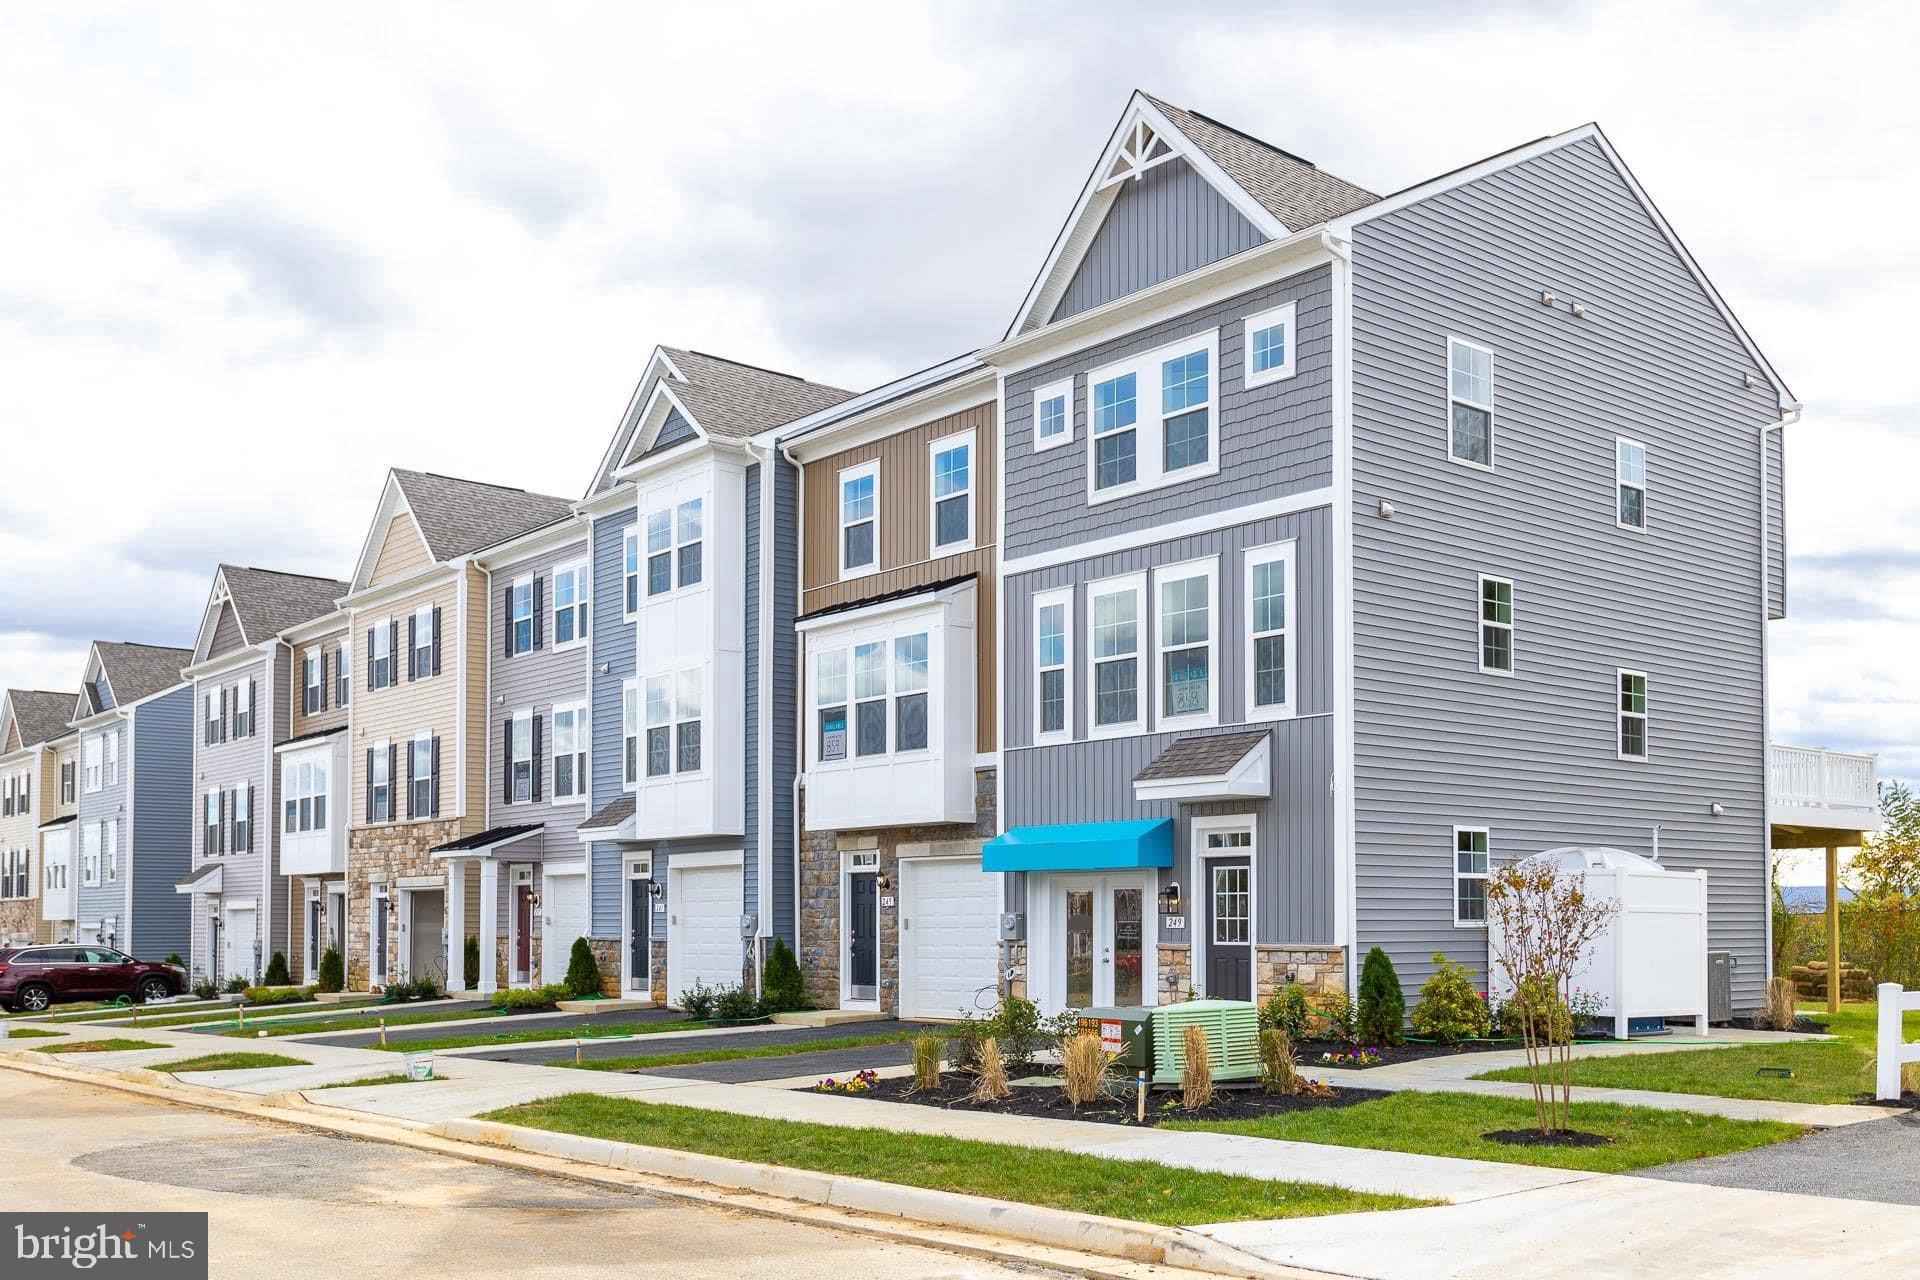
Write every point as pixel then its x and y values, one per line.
pixel 1879 1161
pixel 570 1022
pixel 738 1070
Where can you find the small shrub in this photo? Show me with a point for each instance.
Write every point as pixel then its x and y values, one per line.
pixel 1287 1011
pixel 926 1063
pixel 1777 1013
pixel 1450 1008
pixel 531 997
pixel 1061 1027
pixel 235 985
pixel 735 1004
pixel 1018 1028
pixel 1383 1009
pixel 1196 1069
pixel 697 1001
pixel 782 988
pixel 425 987
pixel 205 990
pixel 470 961
pixel 1084 1062
pixel 963 1041
pixel 583 971
pixel 1336 1018
pixel 173 958
pixel 273 995
pixel 990 1078
pixel 277 973
pixel 333 975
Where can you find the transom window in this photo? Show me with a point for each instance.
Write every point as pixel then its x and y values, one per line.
pixel 1116 610
pixel 1633 715
pixel 1470 875
pixel 1053 415
pixel 1496 625
pixel 1470 403
pixel 1269 620
pixel 1269 346
pixel 570 751
pixel 1630 468
pixel 860 519
pixel 1052 642
pixel 953 493
pixel 572 606
pixel 1186 642
pixel 1152 418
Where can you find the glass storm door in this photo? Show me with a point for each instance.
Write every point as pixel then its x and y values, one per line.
pixel 1103 932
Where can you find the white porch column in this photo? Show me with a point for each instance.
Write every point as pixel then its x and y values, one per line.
pixel 489 923
pixel 456 924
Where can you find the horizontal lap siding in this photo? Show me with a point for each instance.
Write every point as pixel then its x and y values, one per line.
pixel 334 716
pixel 232 766
pixel 97 902
pixel 613 659
pixel 1776 525
pixel 431 705
pixel 1533 756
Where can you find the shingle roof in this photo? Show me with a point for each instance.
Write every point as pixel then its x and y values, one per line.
pixel 615 813
pixel 269 602
pixel 41 716
pixel 1289 188
pixel 734 401
pixel 1201 757
pixel 135 671
pixel 458 516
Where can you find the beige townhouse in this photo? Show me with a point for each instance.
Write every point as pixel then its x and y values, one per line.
pixel 38 757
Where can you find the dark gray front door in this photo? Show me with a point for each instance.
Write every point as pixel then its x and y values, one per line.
pixel 863 936
pixel 1229 929
pixel 639 928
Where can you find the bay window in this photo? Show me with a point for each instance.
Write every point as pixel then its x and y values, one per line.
pixel 659 553
pixel 910 693
pixel 659 726
pixel 830 703
pixel 689 537
pixel 688 710
pixel 870 699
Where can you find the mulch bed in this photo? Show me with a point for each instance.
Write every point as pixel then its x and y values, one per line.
pixel 1806 1026
pixel 1535 1138
pixel 1050 1102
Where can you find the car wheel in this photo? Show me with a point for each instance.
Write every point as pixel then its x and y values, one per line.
pixel 152 989
pixel 35 998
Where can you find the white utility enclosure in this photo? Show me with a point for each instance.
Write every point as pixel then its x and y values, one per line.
pixel 1651 962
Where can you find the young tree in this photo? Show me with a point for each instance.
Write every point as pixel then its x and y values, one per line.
pixel 1888 864
pixel 1541 925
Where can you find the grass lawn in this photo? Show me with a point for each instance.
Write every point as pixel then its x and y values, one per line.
pixel 372 1080
pixel 29 1033
pixel 232 1062
pixel 1450 1124
pixel 613 1032
pixel 1136 1190
pixel 1839 1070
pixel 733 1055
pixel 114 1045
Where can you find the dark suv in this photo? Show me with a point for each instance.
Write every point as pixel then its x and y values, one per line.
pixel 33 978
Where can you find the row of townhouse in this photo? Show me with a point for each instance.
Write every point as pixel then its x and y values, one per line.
pixel 1297 555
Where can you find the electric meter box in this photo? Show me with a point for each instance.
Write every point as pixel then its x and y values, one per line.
pixel 1126 1033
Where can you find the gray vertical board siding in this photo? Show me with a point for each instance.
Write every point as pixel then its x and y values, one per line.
pixel 162 838
pixel 1274 440
pixel 1533 757
pixel 97 902
pixel 1091 780
pixel 537 681
pixel 232 765
pixel 751 646
pixel 103 694
pixel 613 649
pixel 279 697
pixel 1776 524
pixel 785 656
pixel 1168 222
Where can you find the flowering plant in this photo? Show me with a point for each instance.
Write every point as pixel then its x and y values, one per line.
pixel 1360 1056
pixel 859 1082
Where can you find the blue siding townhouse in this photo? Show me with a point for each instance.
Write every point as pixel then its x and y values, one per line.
pixel 135 721
pixel 1353 544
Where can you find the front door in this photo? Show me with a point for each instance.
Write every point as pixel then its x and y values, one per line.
pixel 316 934
pixel 639 931
pixel 1229 938
pixel 522 932
pixel 216 948
pixel 863 937
pixel 238 929
pixel 1102 957
pixel 426 940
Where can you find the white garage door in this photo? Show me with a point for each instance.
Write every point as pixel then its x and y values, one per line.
pixel 564 906
pixel 703 928
pixel 949 937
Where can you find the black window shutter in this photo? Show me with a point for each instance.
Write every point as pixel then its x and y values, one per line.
pixel 413 638
pixel 323 680
pixel 220 822
pixel 369 774
pixel 370 683
pixel 251 821
pixel 506 756
pixel 536 749
pixel 435 752
pixel 393 644
pixel 253 719
pixel 436 639
pixel 223 713
pixel 410 812
pixel 506 618
pixel 539 630
pixel 393 767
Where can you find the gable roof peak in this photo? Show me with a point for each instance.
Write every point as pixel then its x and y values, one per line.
pixel 40 715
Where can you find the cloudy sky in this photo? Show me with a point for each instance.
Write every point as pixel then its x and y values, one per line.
pixel 257 253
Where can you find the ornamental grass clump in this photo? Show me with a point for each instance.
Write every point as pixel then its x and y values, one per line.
pixel 990 1076
pixel 1451 1008
pixel 1279 1073
pixel 1778 1012
pixel 1084 1062
pixel 1196 1069
pixel 926 1063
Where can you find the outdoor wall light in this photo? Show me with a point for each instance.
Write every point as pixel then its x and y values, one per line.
pixel 1170 898
pixel 883 881
pixel 655 889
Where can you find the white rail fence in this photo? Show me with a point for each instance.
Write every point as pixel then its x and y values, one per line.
pixel 1811 776
pixel 1895 1000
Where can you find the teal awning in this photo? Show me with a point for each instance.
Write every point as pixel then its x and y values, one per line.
pixel 1082 846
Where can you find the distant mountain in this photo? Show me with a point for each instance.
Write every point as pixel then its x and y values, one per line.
pixel 1811 899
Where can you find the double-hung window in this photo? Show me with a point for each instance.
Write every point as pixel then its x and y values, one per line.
pixel 93 752
pixel 1052 680
pixel 860 519
pixel 572 604
pixel 423 782
pixel 659 553
pixel 110 768
pixel 1270 659
pixel 870 698
pixel 689 542
pixel 1185 597
pixel 90 835
pixel 1469 403
pixel 910 692
pixel 1469 875
pixel 1269 343
pixel 630 570
pixel 830 703
pixel 570 751
pixel 1114 408
pixel 380 784
pixel 1630 475
pixel 243 820
pixel 211 821
pixel 1633 715
pixel 342 675
pixel 110 840
pixel 1496 625
pixel 243 709
pixel 380 661
pixel 520 616
pixel 305 787
pixel 1053 415
pixel 311 683
pixel 1152 418
pixel 630 731
pixel 952 493
pixel 425 640
pixel 1116 610
pixel 659 726
pixel 66 781
pixel 520 762
pixel 1186 399
pixel 687 713
pixel 215 722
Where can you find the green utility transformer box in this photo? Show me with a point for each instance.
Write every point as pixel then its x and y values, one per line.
pixel 1154 1039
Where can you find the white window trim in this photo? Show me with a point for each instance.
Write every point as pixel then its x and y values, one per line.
pixel 422 739
pixel 681 543
pixel 523 581
pixel 1283 314
pixel 1620 716
pixel 632 729
pixel 1453 852
pixel 1481 624
pixel 903 627
pixel 93 771
pixel 582 600
pixel 1161 720
pixel 1620 482
pixel 383 633
pixel 1044 599
pixel 871 468
pixel 1145 690
pixel 1254 557
pixel 90 863
pixel 523 716
pixel 1493 373
pixel 110 758
pixel 581 753
pixel 382 754
pixel 945 444
pixel 110 849
pixel 1064 389
pixel 310 662
pixel 1149 424
pixel 342 674
pixel 633 569
pixel 215 825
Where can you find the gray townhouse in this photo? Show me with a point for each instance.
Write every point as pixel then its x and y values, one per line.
pixel 1354 545
pixel 134 718
pixel 694 679
pixel 242 684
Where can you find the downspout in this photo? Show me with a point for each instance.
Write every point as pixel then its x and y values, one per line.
pixel 1346 921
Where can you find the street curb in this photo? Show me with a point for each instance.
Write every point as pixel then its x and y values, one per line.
pixel 1135 1241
